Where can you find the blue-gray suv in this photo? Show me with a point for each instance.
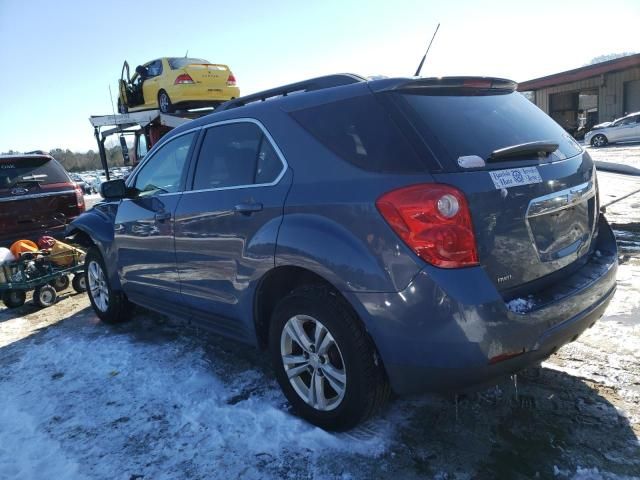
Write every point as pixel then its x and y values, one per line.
pixel 405 235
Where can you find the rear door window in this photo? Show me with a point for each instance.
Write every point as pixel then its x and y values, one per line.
pixel 360 131
pixel 22 171
pixel 464 125
pixel 236 154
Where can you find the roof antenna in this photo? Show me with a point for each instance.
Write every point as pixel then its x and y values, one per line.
pixel 417 74
pixel 187 53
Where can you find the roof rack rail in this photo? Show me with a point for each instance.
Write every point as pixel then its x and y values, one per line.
pixel 312 84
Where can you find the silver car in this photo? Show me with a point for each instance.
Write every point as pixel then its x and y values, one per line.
pixel 625 129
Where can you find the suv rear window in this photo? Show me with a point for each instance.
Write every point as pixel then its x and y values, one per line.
pixel 461 125
pixel 27 170
pixel 359 130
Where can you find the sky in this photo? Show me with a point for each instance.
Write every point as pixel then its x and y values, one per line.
pixel 60 58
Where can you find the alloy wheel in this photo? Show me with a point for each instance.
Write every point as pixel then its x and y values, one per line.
pixel 313 362
pixel 98 288
pixel 598 141
pixel 163 102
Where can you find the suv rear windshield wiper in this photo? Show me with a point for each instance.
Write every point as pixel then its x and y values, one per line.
pixel 28 181
pixel 543 147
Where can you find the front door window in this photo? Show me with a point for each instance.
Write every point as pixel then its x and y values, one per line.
pixel 164 172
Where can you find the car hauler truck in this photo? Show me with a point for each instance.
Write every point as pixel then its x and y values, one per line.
pixel 147 127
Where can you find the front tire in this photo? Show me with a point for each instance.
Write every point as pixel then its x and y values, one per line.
pixel 79 282
pixel 324 361
pixel 45 296
pixel 14 298
pixel 111 306
pixel 599 140
pixel 164 102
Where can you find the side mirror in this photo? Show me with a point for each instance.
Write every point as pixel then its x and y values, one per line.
pixel 113 189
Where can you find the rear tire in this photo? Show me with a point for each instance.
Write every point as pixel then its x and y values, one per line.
pixel 45 296
pixel 111 306
pixel 60 283
pixel 164 102
pixel 14 298
pixel 338 383
pixel 599 140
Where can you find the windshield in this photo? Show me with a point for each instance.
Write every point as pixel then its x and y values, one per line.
pixel 467 125
pixel 21 171
pixel 176 63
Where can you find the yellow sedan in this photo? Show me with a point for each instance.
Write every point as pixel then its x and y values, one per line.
pixel 170 83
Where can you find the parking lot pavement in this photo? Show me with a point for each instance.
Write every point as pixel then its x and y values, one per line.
pixel 91 200
pixel 153 399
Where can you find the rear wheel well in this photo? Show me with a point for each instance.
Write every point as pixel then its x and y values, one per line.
pixel 274 286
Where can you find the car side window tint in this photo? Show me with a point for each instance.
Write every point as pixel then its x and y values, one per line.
pixel 269 164
pixel 628 121
pixel 154 69
pixel 164 171
pixel 360 131
pixel 235 154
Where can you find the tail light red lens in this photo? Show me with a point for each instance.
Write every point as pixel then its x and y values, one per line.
pixel 182 79
pixel 477 83
pixel 434 221
pixel 231 81
pixel 79 198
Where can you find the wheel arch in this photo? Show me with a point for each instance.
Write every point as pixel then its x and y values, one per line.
pixel 282 280
pixel 94 229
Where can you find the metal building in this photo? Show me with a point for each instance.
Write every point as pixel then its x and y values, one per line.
pixel 588 95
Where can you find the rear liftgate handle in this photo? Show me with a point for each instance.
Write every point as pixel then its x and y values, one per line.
pixel 248 208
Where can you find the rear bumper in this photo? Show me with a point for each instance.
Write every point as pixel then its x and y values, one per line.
pixel 450 330
pixel 198 93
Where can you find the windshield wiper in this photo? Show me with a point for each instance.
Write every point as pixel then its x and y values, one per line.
pixel 542 148
pixel 27 182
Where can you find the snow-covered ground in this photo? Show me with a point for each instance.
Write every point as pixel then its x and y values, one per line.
pixel 154 399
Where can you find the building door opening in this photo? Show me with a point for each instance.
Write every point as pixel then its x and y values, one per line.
pixel 563 108
pixel 631 97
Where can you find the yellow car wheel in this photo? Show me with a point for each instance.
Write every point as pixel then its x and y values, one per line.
pixel 164 102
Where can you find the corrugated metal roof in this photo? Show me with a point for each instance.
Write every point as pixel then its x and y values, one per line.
pixel 582 73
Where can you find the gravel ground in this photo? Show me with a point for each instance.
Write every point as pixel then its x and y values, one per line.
pixel 154 399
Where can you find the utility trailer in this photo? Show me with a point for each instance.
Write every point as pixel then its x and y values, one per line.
pixel 147 127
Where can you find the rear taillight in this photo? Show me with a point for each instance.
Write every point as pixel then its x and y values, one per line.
pixel 231 80
pixel 79 198
pixel 434 221
pixel 182 79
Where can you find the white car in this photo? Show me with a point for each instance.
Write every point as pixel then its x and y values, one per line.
pixel 625 129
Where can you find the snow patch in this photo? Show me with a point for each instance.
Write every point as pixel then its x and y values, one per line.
pixel 177 411
pixel 26 452
pixel 588 474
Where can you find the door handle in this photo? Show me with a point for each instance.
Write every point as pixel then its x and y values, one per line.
pixel 162 216
pixel 248 208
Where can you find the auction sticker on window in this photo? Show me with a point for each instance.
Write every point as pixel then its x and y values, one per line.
pixel 514 177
